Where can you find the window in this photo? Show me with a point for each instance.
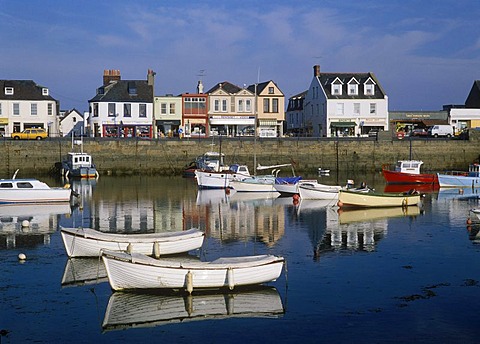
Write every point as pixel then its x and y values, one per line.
pixel 74 119
pixel 340 108
pixel 111 109
pixel 95 110
pixel 33 109
pixel 373 108
pixel 369 89
pixel 50 109
pixel 240 105
pixel 44 91
pixel 143 110
pixel 8 91
pixel 0 109
pixel 6 185
pixel 275 105
pixel 356 108
pixel 172 108
pixel 352 89
pixel 217 105
pixel 248 105
pixel 127 110
pixel 163 108
pixel 224 105
pixel 271 90
pixel 24 185
pixel 16 109
pixel 266 105
pixel 337 90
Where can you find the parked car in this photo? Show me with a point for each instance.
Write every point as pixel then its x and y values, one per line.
pixel 441 130
pixel 419 132
pixel 31 134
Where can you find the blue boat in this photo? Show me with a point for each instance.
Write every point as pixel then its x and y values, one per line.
pixel 460 179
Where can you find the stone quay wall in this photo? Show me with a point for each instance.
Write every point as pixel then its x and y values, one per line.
pixel 170 156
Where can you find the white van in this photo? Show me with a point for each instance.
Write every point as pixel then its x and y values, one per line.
pixel 441 130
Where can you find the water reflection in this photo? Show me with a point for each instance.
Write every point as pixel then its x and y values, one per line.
pixel 132 310
pixel 83 271
pixel 29 225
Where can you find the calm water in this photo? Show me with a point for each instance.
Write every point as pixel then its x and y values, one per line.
pixel 360 277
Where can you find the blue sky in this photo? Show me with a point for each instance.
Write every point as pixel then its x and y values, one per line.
pixel 424 53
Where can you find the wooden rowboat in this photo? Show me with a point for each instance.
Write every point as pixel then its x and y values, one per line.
pixel 87 242
pixel 375 199
pixel 136 271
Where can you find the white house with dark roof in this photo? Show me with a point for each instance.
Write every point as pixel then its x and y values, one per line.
pixel 122 108
pixel 344 104
pixel 231 110
pixel 71 121
pixel 25 104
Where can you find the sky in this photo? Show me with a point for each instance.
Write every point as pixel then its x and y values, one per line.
pixel 425 54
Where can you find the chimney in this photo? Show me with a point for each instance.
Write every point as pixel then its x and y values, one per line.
pixel 151 77
pixel 200 87
pixel 110 75
pixel 316 70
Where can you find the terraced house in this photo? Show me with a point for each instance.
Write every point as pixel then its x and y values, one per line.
pixel 25 104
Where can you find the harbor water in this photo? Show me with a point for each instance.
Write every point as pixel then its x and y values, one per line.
pixel 362 276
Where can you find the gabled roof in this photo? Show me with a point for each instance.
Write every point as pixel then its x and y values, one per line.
pixel 326 80
pixel 70 113
pixel 125 91
pixel 261 86
pixel 473 99
pixel 23 90
pixel 226 86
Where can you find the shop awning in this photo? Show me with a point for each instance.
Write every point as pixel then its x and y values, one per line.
pixel 3 120
pixel 342 124
pixel 268 122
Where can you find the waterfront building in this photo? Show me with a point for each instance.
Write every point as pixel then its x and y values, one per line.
pixel 71 121
pixel 25 104
pixel 270 108
pixel 195 113
pixel 231 110
pixel 122 108
pixel 168 115
pixel 295 117
pixel 345 104
pixel 464 117
pixel 403 122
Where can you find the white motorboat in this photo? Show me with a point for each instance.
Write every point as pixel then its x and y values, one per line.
pixel 460 179
pixel 136 271
pixel 135 310
pixel 207 179
pixel 31 191
pixel 315 190
pixel 87 242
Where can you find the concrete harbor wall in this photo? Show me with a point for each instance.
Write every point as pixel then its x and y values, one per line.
pixel 169 157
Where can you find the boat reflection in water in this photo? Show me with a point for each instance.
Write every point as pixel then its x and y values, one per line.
pixel 133 310
pixel 422 188
pixel 372 214
pixel 458 193
pixel 83 271
pixel 28 225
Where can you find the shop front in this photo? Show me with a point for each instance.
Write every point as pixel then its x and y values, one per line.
pixel 195 127
pixel 168 128
pixel 3 126
pixel 342 129
pixel 127 130
pixel 232 125
pixel 268 128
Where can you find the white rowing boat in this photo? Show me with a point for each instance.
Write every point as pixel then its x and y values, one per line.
pixel 87 242
pixel 136 271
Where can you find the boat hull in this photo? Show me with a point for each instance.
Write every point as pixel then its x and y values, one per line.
pixel 366 199
pixel 318 191
pixel 213 180
pixel 395 177
pixel 458 181
pixel 86 242
pixel 258 186
pixel 127 272
pixel 35 196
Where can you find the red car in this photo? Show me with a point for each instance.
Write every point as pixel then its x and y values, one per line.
pixel 418 132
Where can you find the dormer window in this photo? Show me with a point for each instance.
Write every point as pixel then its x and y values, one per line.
pixel 337 87
pixel 8 91
pixel 353 87
pixel 132 89
pixel 44 91
pixel 369 87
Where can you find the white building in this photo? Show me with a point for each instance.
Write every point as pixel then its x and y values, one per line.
pixel 122 108
pixel 25 104
pixel 72 121
pixel 345 104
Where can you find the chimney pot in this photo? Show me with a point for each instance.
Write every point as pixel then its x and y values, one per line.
pixel 316 70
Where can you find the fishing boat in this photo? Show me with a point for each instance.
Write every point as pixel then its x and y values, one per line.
pixel 315 190
pixel 408 172
pixel 349 198
pixel 260 183
pixel 462 179
pixel 137 271
pixel 78 164
pixel 139 310
pixel 88 242
pixel 29 190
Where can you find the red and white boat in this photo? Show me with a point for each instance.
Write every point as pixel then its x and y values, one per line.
pixel 408 172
